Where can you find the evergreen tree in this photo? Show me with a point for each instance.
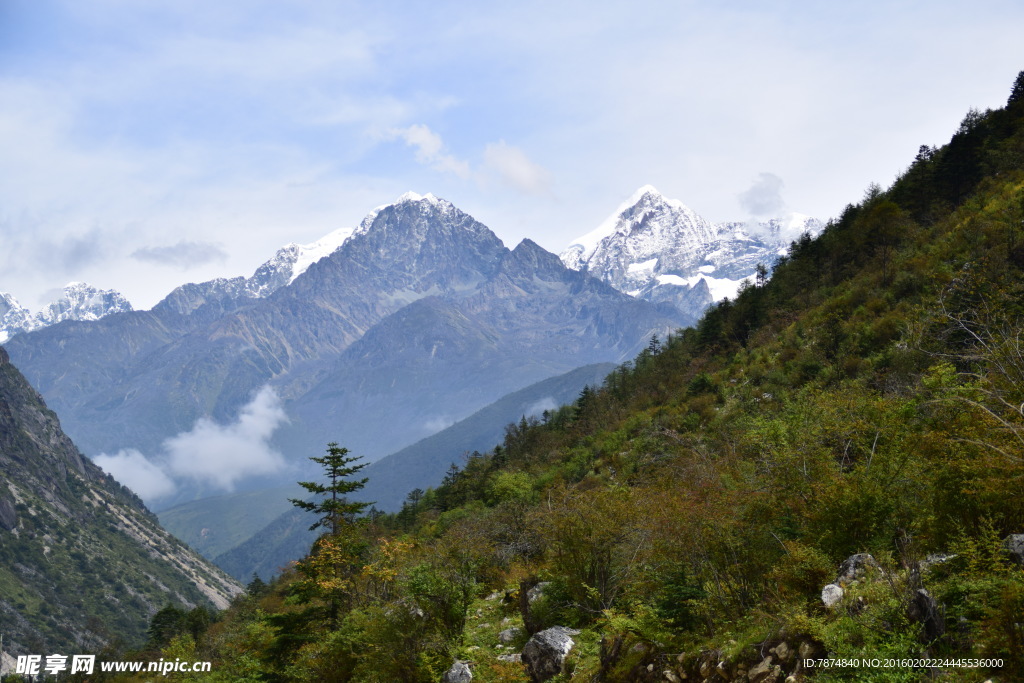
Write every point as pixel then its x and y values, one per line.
pixel 330 566
pixel 1017 94
pixel 761 275
pixel 330 512
pixel 257 587
pixel 165 625
pixel 654 345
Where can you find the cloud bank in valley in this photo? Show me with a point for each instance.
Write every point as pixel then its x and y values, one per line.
pixel 134 470
pixel 218 454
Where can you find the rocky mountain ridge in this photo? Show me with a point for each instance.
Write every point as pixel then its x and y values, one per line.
pixel 420 301
pixel 79 301
pixel 83 302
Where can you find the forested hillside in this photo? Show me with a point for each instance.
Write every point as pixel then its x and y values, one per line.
pixel 688 519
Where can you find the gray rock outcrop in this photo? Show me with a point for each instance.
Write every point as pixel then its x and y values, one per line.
pixel 459 673
pixel 831 595
pixel 544 654
pixel 765 672
pixel 1014 544
pixel 855 568
pixel 509 635
pixel 927 611
pixel 8 515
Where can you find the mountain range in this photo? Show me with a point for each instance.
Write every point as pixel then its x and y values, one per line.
pixel 357 336
pixel 415 319
pixel 651 247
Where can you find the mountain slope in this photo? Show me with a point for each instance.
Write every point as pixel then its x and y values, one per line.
pixel 83 560
pixel 531 319
pixel 827 467
pixel 424 463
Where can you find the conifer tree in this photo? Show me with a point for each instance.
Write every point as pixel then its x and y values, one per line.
pixel 338 467
pixel 1017 93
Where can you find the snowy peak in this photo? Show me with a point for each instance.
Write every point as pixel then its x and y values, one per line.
pixel 308 254
pixel 82 301
pixel 79 301
pixel 288 263
pixel 425 203
pixel 14 317
pixel 291 261
pixel 648 234
pixel 643 222
pixel 659 249
pixel 420 228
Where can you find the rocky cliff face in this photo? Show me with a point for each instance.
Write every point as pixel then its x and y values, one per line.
pixel 83 561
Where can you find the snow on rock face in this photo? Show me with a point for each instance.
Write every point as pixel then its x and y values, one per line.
pixel 79 301
pixel 82 301
pixel 427 203
pixel 308 254
pixel 291 261
pixel 659 249
pixel 14 317
pixel 647 227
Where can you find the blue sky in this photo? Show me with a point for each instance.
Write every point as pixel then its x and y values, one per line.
pixel 213 133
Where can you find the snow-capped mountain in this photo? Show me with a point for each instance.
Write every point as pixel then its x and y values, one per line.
pixel 659 249
pixel 13 317
pixel 422 316
pixel 291 261
pixel 79 301
pixel 288 263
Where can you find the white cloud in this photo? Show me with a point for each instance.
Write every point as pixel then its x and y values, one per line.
pixel 130 467
pixel 436 424
pixel 546 403
pixel 221 455
pixel 258 125
pixel 224 454
pixel 514 169
pixel 506 163
pixel 764 197
pixel 429 146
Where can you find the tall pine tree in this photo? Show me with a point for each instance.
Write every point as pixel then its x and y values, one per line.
pixel 331 511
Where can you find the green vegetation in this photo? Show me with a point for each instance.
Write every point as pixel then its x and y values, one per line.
pixel 687 514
